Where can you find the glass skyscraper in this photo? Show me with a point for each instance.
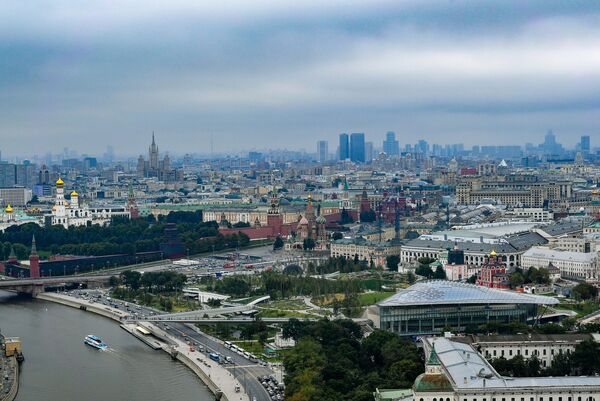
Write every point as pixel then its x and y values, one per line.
pixel 357 147
pixel 344 147
pixel 322 151
pixel 390 145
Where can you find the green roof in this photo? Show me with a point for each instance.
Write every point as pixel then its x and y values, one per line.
pixel 432 382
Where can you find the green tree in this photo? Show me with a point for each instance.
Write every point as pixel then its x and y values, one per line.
pixel 392 262
pixel 308 244
pixel 584 291
pixel 278 244
pixel 368 216
pixel 114 281
pixel 345 217
pixel 337 235
pixel 425 260
pixel 516 280
pixel 440 273
pixel 586 358
pixel 425 271
pixel 214 302
pixel 131 279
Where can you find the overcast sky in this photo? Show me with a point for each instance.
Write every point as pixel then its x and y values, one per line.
pixel 260 74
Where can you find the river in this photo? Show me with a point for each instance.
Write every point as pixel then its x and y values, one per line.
pixel 59 366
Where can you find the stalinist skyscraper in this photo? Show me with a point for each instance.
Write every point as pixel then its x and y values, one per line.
pixel 153 155
pixel 154 167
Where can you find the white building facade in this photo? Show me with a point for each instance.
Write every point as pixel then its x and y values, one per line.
pixel 572 265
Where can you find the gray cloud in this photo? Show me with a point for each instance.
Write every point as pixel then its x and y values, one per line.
pixel 284 74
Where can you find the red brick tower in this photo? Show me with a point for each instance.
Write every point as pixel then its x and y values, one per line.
pixel 34 261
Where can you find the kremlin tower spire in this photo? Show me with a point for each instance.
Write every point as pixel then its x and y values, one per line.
pixel 34 260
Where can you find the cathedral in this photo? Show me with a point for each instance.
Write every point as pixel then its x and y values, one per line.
pixel 69 214
pixel 75 213
pixel 154 167
pixel 311 226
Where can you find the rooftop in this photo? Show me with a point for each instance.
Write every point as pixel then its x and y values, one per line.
pixel 467 369
pixel 442 292
pixel 533 337
pixel 553 254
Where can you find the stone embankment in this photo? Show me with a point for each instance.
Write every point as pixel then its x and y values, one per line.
pixel 215 376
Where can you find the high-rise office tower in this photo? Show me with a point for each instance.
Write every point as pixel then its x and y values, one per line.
pixel 344 147
pixel 368 152
pixel 357 147
pixel 391 147
pixel 423 146
pixel 322 151
pixel 585 144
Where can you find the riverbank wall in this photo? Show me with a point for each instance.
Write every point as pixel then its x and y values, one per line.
pixel 177 349
pixel 11 394
pixel 84 305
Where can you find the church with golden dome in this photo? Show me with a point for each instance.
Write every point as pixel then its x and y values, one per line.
pixel 71 213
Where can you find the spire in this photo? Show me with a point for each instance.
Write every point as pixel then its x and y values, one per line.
pixel 153 142
pixel 12 255
pixel 433 357
pixel 33 247
pixel 397 220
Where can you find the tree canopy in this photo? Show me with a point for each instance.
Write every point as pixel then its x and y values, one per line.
pixel 331 361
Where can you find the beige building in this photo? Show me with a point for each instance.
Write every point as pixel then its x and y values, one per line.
pixel 543 346
pixel 512 191
pixel 246 215
pixel 364 250
pixel 572 265
pixel 14 196
pixel 532 213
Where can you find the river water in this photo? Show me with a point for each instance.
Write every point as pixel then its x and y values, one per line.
pixel 60 367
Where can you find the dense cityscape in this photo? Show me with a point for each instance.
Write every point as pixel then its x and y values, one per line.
pixel 307 201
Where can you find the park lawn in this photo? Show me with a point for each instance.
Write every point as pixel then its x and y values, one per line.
pixel 327 300
pixel 581 308
pixel 253 347
pixel 371 298
pixel 292 304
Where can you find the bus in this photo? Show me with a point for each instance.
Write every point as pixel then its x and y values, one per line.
pixel 228 344
pixel 214 357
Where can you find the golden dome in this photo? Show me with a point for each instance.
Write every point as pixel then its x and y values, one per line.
pixel 493 253
pixel 594 192
pixel 54 208
pixel 8 209
pixel 74 193
pixel 60 182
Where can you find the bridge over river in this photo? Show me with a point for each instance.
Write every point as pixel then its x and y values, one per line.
pixel 35 286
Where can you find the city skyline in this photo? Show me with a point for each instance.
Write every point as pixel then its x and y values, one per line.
pixel 270 75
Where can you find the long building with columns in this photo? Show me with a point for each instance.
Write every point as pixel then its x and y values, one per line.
pixel 457 372
pixel 510 249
